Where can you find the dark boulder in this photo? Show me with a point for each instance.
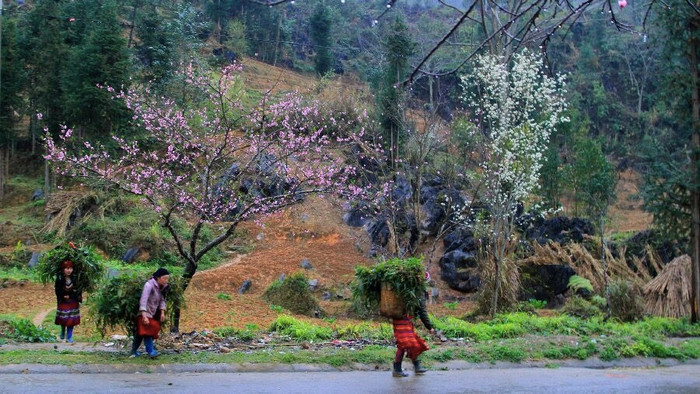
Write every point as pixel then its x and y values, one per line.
pixel 247 284
pixel 561 229
pixel 357 216
pixel 131 254
pixel 544 282
pixel 38 195
pixel 306 264
pixel 459 270
pixel 462 239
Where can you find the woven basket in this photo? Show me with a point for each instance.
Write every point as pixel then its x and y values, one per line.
pixel 390 303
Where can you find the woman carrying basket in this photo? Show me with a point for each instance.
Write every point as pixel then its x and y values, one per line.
pixel 407 341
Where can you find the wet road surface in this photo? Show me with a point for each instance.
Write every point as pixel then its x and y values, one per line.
pixel 675 379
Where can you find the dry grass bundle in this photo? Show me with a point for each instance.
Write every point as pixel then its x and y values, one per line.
pixel 63 207
pixel 509 288
pixel 668 294
pixel 589 266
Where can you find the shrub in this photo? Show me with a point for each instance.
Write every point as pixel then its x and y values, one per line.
pixel 451 305
pixel 299 330
pixel 579 283
pixel 247 334
pixel 580 307
pixel 22 330
pixel 626 301
pixel 223 296
pixel 293 293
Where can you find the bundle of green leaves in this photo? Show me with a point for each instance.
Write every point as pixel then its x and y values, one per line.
pixel 404 276
pixel 87 266
pixel 115 304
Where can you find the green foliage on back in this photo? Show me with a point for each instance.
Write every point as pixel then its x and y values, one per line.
pixel 115 304
pixel 293 293
pixel 87 266
pixel 405 276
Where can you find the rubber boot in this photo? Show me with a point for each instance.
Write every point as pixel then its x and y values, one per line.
pixel 135 345
pixel 63 332
pixel 417 368
pixel 398 372
pixel 148 342
pixel 69 335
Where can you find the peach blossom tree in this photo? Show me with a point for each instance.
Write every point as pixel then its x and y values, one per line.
pixel 207 158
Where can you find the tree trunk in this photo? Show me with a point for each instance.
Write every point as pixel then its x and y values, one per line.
pixel 695 190
pixel 47 179
pixel 496 288
pixel 187 274
pixel 2 174
pixel 605 266
pixel 277 40
pixel 133 23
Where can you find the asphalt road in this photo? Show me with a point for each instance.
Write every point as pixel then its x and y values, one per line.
pixel 675 379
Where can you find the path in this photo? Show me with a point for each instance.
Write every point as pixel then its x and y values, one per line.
pixel 38 319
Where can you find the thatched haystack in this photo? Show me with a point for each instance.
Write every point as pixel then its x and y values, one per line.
pixel 63 207
pixel 589 266
pixel 668 294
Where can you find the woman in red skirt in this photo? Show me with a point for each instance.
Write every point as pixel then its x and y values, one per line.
pixel 408 342
pixel 68 299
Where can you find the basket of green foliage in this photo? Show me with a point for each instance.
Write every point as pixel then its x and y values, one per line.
pixel 87 266
pixel 115 304
pixel 394 286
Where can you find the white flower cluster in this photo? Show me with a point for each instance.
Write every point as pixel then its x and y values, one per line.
pixel 518 106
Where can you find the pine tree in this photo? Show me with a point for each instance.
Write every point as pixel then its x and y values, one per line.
pixel 11 99
pixel 100 58
pixel 398 47
pixel 321 38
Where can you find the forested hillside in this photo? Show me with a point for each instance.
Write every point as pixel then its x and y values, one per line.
pixel 434 119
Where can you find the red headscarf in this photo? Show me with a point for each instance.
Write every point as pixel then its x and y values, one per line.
pixel 66 264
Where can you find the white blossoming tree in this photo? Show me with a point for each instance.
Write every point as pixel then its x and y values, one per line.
pixel 516 108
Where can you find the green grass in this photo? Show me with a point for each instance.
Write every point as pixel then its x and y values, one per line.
pixel 515 337
pixel 512 350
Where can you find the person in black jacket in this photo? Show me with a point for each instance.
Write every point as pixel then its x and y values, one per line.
pixel 68 299
pixel 407 341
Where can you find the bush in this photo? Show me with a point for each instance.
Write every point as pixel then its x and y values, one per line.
pixel 299 330
pixel 626 301
pixel 293 294
pixel 579 284
pixel 580 307
pixel 22 330
pixel 247 334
